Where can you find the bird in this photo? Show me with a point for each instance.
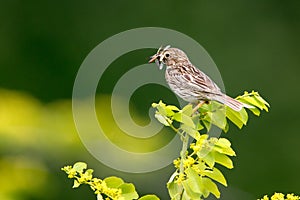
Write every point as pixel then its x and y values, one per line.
pixel 188 81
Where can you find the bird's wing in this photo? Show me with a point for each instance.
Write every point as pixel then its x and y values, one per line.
pixel 196 80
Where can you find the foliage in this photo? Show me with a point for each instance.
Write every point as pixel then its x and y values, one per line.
pixel 109 188
pixel 196 171
pixel 197 174
pixel 280 196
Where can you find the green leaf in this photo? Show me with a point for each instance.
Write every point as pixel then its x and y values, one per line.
pixel 207 124
pixel 76 184
pixel 223 159
pixel 172 107
pixel 79 167
pixel 113 182
pixel 187 185
pixel 187 110
pixel 228 151
pixel 255 111
pixel 170 110
pixel 223 142
pixel 211 187
pixel 191 131
pixel 161 107
pixel 254 99
pixel 128 191
pixel 183 118
pixel 162 111
pixel 149 197
pixel 259 98
pixel 177 117
pixel 263 103
pixel 217 118
pixel 202 138
pixel 201 166
pixel 194 182
pixel 209 159
pixel 226 128
pixel 162 119
pixel 89 172
pixel 187 121
pixel 223 146
pixel 216 175
pixel 174 190
pixel 238 118
pixel 185 196
pixel 251 101
pixel 199 126
pixel 154 105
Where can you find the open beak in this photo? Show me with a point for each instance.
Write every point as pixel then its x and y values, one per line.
pixel 152 58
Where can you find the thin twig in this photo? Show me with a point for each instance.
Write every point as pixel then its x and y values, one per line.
pixel 174 129
pixel 198 106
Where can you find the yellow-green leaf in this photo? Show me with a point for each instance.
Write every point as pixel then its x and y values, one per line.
pixel 188 110
pixel 223 142
pixel 76 184
pixel 211 187
pixel 113 182
pixel 207 124
pixel 255 111
pixel 259 98
pixel 223 159
pixel 217 118
pixel 193 184
pixel 235 117
pixel 174 189
pixel 191 131
pixel 161 119
pixel 128 191
pixel 183 118
pixel 149 197
pixel 216 175
pixel 225 150
pixel 80 166
pixel 187 184
pixel 209 159
pixel 264 104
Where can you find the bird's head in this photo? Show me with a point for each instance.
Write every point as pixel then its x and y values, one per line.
pixel 168 56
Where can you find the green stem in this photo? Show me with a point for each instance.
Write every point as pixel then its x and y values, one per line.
pixel 185 141
pixel 174 129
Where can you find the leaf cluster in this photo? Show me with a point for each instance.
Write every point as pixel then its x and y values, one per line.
pixel 280 196
pixel 196 172
pixel 200 173
pixel 213 113
pixel 110 188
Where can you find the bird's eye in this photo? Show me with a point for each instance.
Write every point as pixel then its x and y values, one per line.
pixel 167 55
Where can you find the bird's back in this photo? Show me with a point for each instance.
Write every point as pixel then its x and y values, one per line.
pixel 190 83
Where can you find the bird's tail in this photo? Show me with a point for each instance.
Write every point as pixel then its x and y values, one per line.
pixel 232 103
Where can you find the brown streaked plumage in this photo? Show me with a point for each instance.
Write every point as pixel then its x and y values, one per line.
pixel 187 81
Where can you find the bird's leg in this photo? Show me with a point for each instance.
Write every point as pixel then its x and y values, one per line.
pixel 198 106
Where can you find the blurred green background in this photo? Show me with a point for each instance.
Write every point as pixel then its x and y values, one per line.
pixel 255 45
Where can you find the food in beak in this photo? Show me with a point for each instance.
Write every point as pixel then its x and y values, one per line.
pixel 157 60
pixel 152 58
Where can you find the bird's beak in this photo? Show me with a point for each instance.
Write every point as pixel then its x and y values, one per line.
pixel 152 58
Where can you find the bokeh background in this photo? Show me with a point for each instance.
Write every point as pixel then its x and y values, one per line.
pixel 255 45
